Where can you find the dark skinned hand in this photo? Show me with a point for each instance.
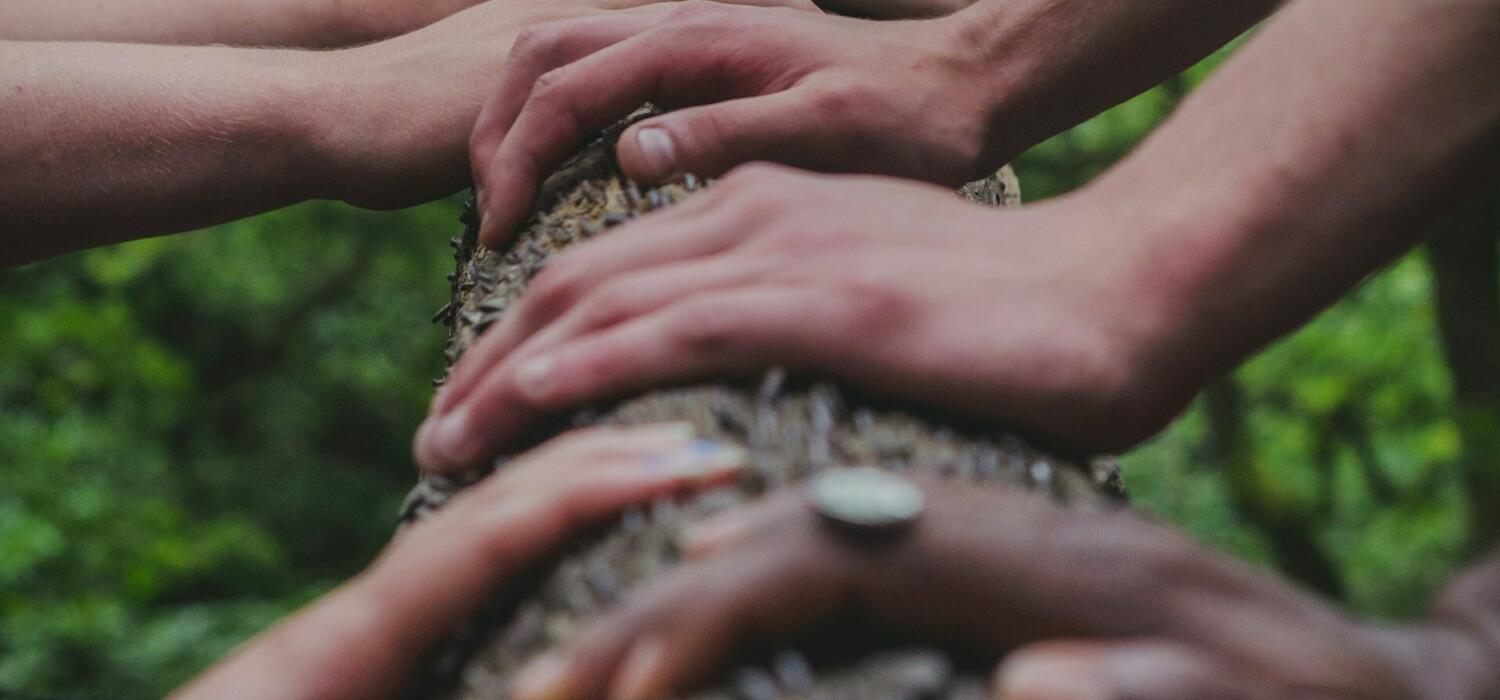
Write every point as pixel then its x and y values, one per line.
pixel 1088 605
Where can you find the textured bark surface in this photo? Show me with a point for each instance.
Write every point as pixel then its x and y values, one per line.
pixel 792 427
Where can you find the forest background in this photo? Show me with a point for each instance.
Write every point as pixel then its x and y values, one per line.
pixel 200 433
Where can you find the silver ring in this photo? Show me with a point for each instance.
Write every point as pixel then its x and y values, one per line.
pixel 865 500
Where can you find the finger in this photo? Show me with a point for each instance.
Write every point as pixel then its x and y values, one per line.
pixel 679 233
pixel 1124 670
pixel 683 628
pixel 637 294
pixel 735 527
pixel 671 65
pixel 364 639
pixel 711 139
pixel 790 127
pixel 725 333
pixel 524 512
pixel 537 50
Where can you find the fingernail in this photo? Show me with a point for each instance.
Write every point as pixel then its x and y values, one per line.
pixel 699 460
pixel 421 447
pixel 657 150
pixel 481 210
pixel 1052 678
pixel 448 435
pixel 640 675
pixel 542 679
pixel 533 379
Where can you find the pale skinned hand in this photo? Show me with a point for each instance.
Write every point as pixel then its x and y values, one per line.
pixel 394 129
pixel 907 98
pixel 366 638
pixel 1028 317
pixel 1089 605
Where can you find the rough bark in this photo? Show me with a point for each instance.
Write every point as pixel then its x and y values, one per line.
pixel 791 426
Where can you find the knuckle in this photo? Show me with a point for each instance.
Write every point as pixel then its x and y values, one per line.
pixel 556 285
pixel 611 303
pixel 550 86
pixel 797 238
pixel 872 307
pixel 704 329
pixel 841 101
pixel 536 42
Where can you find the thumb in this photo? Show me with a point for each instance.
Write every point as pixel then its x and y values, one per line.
pixel 1147 669
pixel 711 139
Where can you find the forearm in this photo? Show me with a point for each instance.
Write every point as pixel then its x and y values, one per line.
pixel 1051 64
pixel 285 23
pixel 110 142
pixel 1316 155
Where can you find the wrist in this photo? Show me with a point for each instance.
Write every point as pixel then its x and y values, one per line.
pixel 279 114
pixel 382 133
pixel 329 124
pixel 1006 79
pixel 1197 257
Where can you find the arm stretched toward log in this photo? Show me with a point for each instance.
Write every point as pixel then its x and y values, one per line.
pixel 107 142
pixel 283 23
pixel 364 640
pixel 1087 604
pixel 1316 154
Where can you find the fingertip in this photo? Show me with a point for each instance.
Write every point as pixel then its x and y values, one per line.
pixel 508 194
pixel 419 442
pixel 1051 675
pixel 534 379
pixel 544 678
pixel 648 152
pixel 490 233
pixel 448 442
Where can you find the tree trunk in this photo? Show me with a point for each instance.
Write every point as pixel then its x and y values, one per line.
pixel 1466 269
pixel 792 427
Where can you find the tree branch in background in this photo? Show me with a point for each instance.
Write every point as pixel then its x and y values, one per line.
pixel 1288 525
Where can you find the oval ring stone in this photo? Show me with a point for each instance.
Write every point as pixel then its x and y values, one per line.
pixel 865 499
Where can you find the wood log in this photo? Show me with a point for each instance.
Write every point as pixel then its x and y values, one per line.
pixel 791 426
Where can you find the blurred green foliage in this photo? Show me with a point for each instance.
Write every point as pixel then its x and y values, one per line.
pixel 200 433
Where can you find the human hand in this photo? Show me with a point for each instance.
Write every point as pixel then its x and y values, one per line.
pixel 908 98
pixel 364 639
pixel 1049 317
pixel 1095 605
pixel 395 116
